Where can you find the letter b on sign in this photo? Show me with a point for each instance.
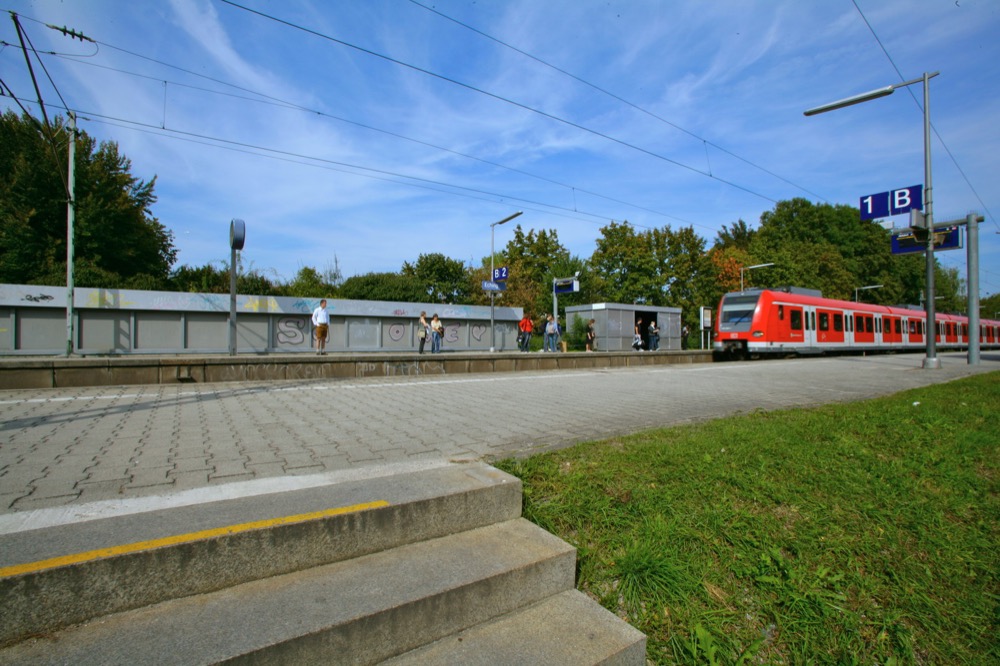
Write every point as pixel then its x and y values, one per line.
pixel 906 199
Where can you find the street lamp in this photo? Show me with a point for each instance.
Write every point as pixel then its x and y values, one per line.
pixel 750 268
pixel 493 330
pixel 871 286
pixel 932 360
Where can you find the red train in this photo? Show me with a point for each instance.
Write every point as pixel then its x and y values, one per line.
pixel 791 320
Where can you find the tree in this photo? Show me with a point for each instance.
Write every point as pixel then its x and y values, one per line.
pixel 115 231
pixel 383 287
pixel 532 259
pixel 309 283
pixel 624 265
pixel 444 280
pixel 738 236
pixel 832 249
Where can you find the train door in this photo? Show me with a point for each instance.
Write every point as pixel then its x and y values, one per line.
pixel 864 329
pixel 787 324
pixel 892 330
pixel 829 327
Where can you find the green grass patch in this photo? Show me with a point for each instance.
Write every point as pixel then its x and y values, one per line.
pixel 863 533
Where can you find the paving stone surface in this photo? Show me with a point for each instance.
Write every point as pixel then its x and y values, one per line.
pixel 64 446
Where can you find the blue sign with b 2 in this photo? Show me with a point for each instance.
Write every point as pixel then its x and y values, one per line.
pixel 500 274
pixel 893 202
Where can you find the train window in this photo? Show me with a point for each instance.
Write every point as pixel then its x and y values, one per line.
pixel 838 322
pixel 796 320
pixel 898 326
pixel 781 313
pixel 824 321
pixel 878 325
pixel 868 325
pixel 812 321
pixel 850 324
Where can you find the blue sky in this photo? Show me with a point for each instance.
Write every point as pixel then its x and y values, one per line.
pixel 387 128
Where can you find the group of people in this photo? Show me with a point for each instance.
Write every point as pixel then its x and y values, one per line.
pixel 433 330
pixel 552 333
pixel 652 342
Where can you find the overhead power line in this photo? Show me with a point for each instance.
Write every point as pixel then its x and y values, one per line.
pixel 501 98
pixel 612 95
pixel 921 108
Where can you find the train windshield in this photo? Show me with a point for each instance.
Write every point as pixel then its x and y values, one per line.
pixel 737 312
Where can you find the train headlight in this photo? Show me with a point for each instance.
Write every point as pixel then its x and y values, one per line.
pixel 758 334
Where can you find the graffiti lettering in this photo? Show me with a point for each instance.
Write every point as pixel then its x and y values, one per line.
pixel 478 331
pixel 451 332
pixel 292 330
pixel 37 299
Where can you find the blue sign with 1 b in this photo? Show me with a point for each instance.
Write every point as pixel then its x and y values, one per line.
pixel 893 202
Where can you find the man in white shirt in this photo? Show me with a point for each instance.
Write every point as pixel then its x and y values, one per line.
pixel 321 320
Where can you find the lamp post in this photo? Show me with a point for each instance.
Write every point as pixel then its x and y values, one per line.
pixel 750 268
pixel 931 361
pixel 871 286
pixel 493 330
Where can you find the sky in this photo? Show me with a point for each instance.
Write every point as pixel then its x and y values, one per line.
pixel 363 134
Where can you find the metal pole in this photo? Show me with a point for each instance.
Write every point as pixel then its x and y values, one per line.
pixel 493 328
pixel 70 221
pixel 932 360
pixel 232 302
pixel 555 303
pixel 972 233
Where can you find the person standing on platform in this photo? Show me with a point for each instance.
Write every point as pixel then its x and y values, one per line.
pixel 422 331
pixel 526 327
pixel 654 336
pixel 437 332
pixel 591 336
pixel 321 320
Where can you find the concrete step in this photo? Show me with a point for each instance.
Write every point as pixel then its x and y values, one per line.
pixel 62 567
pixel 361 611
pixel 567 629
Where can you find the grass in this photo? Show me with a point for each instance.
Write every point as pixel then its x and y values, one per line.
pixel 863 533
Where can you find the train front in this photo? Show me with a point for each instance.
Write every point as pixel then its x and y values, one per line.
pixel 734 324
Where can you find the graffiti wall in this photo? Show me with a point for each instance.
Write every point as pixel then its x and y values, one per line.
pixel 111 321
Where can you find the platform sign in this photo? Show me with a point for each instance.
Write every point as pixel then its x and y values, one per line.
pixel 566 286
pixel 945 238
pixel 500 274
pixel 490 285
pixel 893 202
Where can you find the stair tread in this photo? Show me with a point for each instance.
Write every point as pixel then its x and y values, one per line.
pixel 567 629
pixel 260 614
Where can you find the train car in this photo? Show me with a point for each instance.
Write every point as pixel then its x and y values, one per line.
pixel 791 320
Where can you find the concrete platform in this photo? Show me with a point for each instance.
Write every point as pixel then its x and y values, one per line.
pixel 21 372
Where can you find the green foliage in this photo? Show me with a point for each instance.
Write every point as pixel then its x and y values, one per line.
pixel 832 249
pixel 738 236
pixel 444 280
pixel 383 287
pixel 624 266
pixel 861 533
pixel 308 283
pixel 116 239
pixel 533 260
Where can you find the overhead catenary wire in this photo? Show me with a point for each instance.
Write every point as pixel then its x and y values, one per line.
pixel 501 98
pixel 916 101
pixel 612 95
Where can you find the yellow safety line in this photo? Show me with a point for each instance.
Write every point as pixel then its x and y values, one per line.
pixel 202 535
